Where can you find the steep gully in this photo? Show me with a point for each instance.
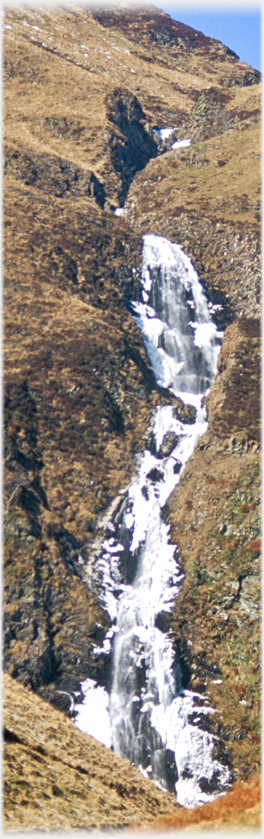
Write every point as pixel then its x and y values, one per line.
pixel 145 713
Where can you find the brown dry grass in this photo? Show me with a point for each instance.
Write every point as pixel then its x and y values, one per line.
pixel 239 809
pixel 219 180
pixel 58 65
pixel 56 777
pixel 55 105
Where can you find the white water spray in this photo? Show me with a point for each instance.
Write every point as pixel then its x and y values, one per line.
pixel 148 717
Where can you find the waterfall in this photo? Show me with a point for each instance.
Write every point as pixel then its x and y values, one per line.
pixel 180 336
pixel 147 716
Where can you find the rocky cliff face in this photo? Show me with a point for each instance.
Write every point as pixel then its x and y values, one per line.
pixel 85 91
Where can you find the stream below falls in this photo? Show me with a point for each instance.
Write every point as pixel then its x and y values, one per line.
pixel 148 716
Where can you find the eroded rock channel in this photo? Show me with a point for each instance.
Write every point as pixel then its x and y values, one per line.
pixel 146 714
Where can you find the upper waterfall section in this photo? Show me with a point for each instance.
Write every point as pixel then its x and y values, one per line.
pixel 176 320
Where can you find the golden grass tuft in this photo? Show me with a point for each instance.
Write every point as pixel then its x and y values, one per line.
pixel 239 808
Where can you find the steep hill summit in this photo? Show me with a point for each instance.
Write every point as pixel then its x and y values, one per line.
pixel 90 166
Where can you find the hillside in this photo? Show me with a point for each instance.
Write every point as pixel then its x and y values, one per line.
pixel 60 778
pixel 85 90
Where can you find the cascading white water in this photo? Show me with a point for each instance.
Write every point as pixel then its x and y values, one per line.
pixel 148 717
pixel 180 336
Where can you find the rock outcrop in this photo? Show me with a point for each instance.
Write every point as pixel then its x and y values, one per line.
pixel 85 91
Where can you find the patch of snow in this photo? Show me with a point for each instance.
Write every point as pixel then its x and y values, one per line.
pixel 215 307
pixel 93 717
pixel 180 144
pixel 164 133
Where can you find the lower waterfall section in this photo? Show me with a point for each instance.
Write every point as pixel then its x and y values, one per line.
pixel 147 716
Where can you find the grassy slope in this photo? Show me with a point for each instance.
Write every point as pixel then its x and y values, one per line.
pixel 56 777
pixel 63 469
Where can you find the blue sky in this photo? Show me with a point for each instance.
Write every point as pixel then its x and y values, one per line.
pixel 237 26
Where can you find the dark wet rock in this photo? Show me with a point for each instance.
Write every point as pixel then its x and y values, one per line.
pixel 247 79
pixel 155 475
pixel 165 768
pixel 163 621
pixel 185 413
pixel 169 443
pixel 210 786
pixel 131 151
pixel 54 175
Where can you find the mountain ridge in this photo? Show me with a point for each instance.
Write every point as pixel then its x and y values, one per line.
pixel 78 412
